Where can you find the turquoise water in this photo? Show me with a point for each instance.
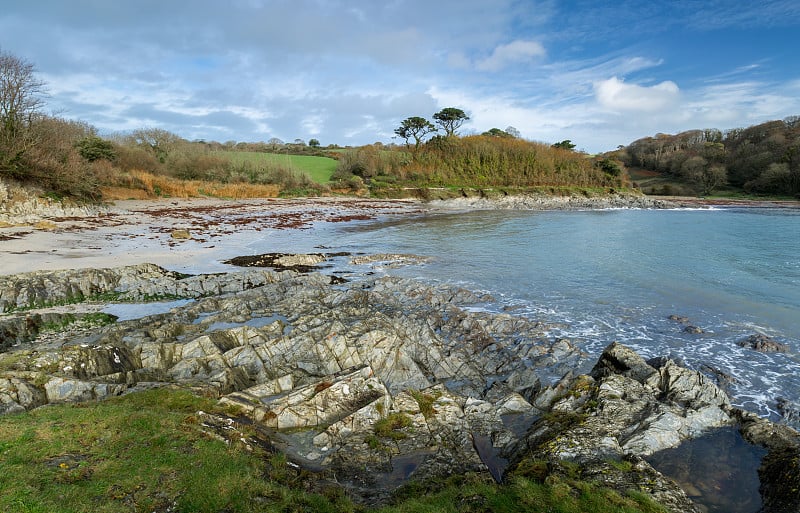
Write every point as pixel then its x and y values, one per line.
pixel 617 275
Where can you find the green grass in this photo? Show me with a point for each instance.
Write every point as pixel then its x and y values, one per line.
pixel 319 169
pixel 85 320
pixel 425 402
pixel 146 452
pixel 392 425
pixel 474 493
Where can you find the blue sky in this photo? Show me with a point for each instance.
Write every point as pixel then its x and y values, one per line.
pixel 598 73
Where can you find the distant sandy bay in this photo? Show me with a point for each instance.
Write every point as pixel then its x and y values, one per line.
pixel 154 231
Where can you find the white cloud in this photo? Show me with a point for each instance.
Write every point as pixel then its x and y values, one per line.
pixel 512 53
pixel 615 94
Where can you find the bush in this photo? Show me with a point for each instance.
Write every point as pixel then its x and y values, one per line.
pixel 192 163
pixel 131 158
pixel 94 148
pixel 370 161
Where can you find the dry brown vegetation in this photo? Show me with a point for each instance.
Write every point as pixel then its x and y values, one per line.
pixel 477 161
pixel 142 185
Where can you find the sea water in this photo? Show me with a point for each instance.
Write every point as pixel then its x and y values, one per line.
pixel 617 275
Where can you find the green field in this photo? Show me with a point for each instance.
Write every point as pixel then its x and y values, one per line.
pixel 318 169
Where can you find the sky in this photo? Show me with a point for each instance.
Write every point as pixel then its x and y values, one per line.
pixel 348 72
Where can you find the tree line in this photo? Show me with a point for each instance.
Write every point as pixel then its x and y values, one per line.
pixel 69 158
pixel 760 159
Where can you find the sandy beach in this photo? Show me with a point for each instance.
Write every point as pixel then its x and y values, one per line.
pixel 154 231
pixel 194 235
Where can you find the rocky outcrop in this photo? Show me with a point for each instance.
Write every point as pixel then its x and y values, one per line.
pixel 387 379
pixel 304 262
pixel 763 343
pixel 496 199
pixel 18 206
pixel 639 409
pixel 130 283
pixel 381 380
pixel 627 408
pixel 16 329
pixel 390 259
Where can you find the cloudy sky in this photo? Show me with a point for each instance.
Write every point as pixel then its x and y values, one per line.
pixel 349 71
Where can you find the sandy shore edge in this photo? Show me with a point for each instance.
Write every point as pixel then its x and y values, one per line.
pixel 137 231
pixel 155 231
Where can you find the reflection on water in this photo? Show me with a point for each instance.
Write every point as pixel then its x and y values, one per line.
pixel 255 322
pixel 127 311
pixel 718 471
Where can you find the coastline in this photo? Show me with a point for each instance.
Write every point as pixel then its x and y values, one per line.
pixel 149 231
pixel 172 232
pixel 691 201
pixel 178 232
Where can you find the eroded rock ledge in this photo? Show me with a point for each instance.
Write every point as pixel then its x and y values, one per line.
pixel 385 380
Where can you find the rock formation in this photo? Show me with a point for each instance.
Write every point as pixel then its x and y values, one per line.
pixel 380 381
pixel 764 344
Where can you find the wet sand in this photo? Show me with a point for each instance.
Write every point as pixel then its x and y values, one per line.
pixel 138 231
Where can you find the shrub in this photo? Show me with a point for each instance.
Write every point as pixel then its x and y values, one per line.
pixel 94 148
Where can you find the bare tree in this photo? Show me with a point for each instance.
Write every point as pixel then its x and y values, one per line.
pixel 158 141
pixel 21 95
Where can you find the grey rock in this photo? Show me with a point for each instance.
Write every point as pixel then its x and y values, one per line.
pixel 764 344
pixel 391 260
pixel 377 381
pixel 475 199
pixel 622 360
pixel 42 288
pixel 779 472
pixel 624 410
pixel 19 206
pixel 790 411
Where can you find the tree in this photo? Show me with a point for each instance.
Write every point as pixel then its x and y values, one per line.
pixel 566 144
pixel 712 177
pixel 20 103
pixel 415 128
pixel 160 142
pixel 513 132
pixel 94 148
pixel 609 166
pixel 314 143
pixel 496 132
pixel 450 119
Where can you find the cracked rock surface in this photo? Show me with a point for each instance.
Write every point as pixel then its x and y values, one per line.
pixel 376 381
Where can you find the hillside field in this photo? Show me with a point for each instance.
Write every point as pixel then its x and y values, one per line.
pixel 318 169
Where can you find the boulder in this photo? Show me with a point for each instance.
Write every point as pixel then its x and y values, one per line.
pixel 181 234
pixel 763 343
pixel 624 410
pixel 779 472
